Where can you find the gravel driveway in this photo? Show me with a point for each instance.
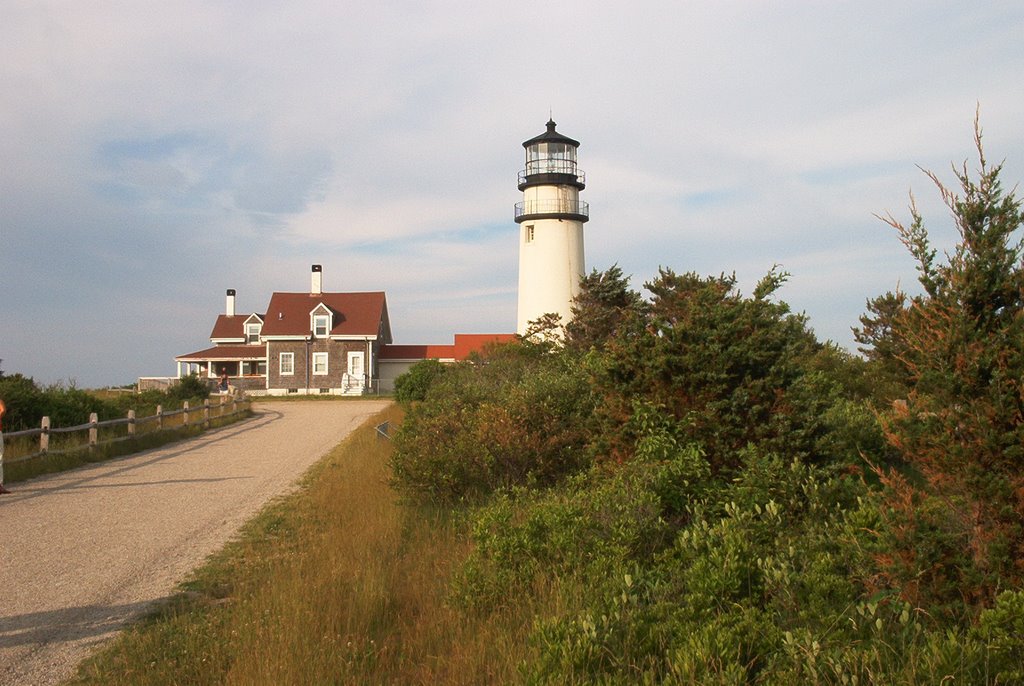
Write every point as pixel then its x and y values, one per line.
pixel 84 552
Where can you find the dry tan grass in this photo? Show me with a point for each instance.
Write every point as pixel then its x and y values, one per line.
pixel 338 584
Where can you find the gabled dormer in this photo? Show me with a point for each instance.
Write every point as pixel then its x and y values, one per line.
pixel 253 328
pixel 321 321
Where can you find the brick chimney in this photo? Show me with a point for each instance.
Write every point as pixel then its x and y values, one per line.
pixel 317 286
pixel 229 309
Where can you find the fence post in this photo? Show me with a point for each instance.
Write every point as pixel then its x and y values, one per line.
pixel 159 417
pixel 206 413
pixel 131 423
pixel 93 429
pixel 184 415
pixel 44 437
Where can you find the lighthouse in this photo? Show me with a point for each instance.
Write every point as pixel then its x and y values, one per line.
pixel 550 217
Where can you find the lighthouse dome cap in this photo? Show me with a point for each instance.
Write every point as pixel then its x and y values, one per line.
pixel 551 136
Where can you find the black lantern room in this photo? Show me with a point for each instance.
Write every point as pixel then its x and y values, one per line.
pixel 551 159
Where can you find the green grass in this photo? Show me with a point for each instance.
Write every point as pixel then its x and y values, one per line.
pixel 338 583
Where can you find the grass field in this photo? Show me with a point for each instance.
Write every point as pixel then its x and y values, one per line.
pixel 338 583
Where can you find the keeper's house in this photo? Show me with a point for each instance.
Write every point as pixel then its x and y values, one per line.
pixel 315 343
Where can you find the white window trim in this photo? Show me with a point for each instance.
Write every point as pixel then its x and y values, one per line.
pixel 320 356
pixel 327 324
pixel 291 361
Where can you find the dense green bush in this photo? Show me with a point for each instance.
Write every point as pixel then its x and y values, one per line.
pixel 514 417
pixel 730 369
pixel 27 403
pixel 414 384
pixel 65 405
pixel 189 387
pixel 671 575
pixel 686 576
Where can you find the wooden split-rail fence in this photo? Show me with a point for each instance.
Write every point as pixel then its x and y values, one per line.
pixel 161 421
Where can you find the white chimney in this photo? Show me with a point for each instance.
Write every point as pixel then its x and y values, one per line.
pixel 229 309
pixel 317 286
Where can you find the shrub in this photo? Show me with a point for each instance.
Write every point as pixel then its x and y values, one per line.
pixel 671 574
pixel 1000 630
pixel 517 416
pixel 189 387
pixel 414 384
pixel 65 405
pixel 724 366
pixel 24 400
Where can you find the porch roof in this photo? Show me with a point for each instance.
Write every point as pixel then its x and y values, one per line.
pixel 226 353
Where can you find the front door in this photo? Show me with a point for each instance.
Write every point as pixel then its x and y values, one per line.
pixel 355 369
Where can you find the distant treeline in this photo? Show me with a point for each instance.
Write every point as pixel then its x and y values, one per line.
pixel 66 405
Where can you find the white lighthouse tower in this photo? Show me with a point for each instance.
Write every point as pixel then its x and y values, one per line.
pixel 550 219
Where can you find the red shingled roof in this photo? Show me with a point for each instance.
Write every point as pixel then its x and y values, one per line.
pixel 465 344
pixel 232 326
pixel 417 352
pixel 355 314
pixel 229 326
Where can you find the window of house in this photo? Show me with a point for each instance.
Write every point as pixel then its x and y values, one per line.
pixel 319 364
pixel 287 364
pixel 320 324
pixel 254 368
pixel 252 333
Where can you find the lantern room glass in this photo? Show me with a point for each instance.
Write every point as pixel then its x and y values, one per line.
pixel 550 158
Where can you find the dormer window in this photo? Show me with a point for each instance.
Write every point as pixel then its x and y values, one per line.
pixel 252 333
pixel 321 322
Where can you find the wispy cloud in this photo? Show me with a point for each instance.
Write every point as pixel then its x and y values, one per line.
pixel 157 153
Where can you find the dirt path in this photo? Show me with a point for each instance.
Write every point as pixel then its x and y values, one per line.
pixel 84 552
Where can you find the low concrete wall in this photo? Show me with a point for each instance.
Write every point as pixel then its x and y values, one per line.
pixel 156 383
pixel 391 370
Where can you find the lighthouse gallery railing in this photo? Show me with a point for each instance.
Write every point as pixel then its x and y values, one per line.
pixel 577 208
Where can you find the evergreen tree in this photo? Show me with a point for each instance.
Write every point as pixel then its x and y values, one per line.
pixel 605 302
pixel 884 350
pixel 732 370
pixel 960 345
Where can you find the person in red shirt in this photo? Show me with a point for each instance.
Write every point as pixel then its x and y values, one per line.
pixel 3 408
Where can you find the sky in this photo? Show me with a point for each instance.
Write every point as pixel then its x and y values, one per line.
pixel 155 154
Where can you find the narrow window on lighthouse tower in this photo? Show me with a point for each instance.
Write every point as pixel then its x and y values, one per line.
pixel 528 233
